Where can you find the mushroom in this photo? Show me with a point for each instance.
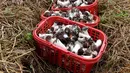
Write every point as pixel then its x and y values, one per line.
pixel 60 44
pixel 86 13
pixel 87 17
pixel 67 31
pixel 77 46
pixel 73 38
pixel 98 43
pixel 70 46
pixel 64 14
pixel 94 53
pixel 54 27
pixel 63 37
pixel 82 37
pixel 72 32
pixel 50 31
pixel 67 26
pixel 81 51
pixel 52 40
pixel 73 13
pixel 56 13
pixel 85 31
pixel 58 31
pixel 76 29
pixel 94 47
pixel 86 44
pixel 89 1
pixel 84 3
pixel 77 2
pixel 88 56
pixel 63 3
pixel 45 35
pixel 48 37
pixel 87 51
pixel 47 13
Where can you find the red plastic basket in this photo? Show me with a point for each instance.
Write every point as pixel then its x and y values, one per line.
pixel 60 56
pixel 96 18
pixel 92 8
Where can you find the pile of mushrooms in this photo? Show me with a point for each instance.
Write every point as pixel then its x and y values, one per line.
pixel 72 3
pixel 73 38
pixel 73 14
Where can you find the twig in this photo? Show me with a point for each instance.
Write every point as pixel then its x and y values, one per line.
pixel 3 61
pixel 22 55
pixel 21 69
pixel 38 62
pixel 14 44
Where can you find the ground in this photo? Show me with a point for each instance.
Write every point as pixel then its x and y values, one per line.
pixel 19 17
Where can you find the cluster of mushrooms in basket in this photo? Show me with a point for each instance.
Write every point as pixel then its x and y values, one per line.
pixel 73 38
pixel 72 3
pixel 73 14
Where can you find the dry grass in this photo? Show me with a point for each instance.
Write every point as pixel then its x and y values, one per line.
pixel 19 17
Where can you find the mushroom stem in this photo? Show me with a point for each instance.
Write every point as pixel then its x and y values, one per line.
pixel 59 43
pixel 45 35
pixel 52 40
pixel 77 46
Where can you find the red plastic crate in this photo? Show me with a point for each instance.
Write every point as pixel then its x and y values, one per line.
pixel 92 8
pixel 62 57
pixel 96 18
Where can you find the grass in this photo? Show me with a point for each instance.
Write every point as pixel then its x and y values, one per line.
pixel 19 17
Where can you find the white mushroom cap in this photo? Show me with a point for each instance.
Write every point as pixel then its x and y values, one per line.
pixel 64 4
pixel 47 11
pixel 98 43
